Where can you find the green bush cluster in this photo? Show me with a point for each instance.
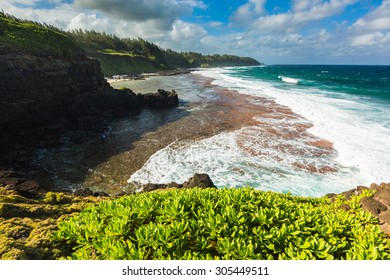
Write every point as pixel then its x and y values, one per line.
pixel 223 224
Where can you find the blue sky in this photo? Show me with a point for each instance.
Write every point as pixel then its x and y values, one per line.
pixel 274 32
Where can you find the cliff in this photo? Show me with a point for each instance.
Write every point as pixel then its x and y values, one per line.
pixel 43 94
pixel 49 85
pixel 134 56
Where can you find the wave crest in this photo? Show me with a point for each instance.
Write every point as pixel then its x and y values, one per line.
pixel 289 80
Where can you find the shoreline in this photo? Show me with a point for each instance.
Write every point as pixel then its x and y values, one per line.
pixel 144 76
pixel 259 123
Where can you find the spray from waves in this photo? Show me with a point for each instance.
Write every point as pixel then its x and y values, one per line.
pixel 230 166
pixel 289 80
pixel 357 128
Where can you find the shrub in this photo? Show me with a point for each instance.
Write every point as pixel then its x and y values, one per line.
pixel 223 224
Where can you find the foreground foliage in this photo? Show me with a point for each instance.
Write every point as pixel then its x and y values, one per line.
pixel 223 224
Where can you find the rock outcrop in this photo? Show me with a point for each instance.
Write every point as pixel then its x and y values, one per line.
pixel 43 95
pixel 161 99
pixel 378 204
pixel 22 186
pixel 381 209
pixel 198 180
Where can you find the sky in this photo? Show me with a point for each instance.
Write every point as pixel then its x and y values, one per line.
pixel 273 32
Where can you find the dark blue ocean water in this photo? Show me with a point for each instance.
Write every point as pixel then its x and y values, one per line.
pixel 362 81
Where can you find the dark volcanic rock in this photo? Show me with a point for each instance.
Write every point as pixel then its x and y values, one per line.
pixel 6 173
pixel 83 192
pixel 378 205
pixel 10 182
pixel 29 189
pixel 383 196
pixel 42 95
pixel 152 187
pixel 373 206
pixel 97 194
pixel 161 99
pixel 349 193
pixel 200 181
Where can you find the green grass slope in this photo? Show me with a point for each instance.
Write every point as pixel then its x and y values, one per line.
pixel 129 56
pixel 116 55
pixel 223 224
pixel 35 37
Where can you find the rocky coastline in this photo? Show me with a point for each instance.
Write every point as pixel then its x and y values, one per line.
pixel 42 96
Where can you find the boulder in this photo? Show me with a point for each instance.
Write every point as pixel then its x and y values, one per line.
pixel 29 189
pixel 10 182
pixel 383 196
pixel 7 173
pixel 161 99
pixel 83 192
pixel 152 187
pixel 199 180
pixel 373 206
pixel 349 193
pixel 100 194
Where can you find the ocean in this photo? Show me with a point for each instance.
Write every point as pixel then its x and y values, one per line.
pixel 319 129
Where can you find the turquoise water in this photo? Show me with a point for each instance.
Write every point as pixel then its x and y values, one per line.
pixel 348 106
pixel 372 82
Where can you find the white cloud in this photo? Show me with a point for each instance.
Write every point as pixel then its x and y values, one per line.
pixel 163 11
pixel 280 37
pixel 184 36
pixel 370 39
pixel 186 31
pixel 303 13
pixel 247 12
pixel 302 5
pixel 373 29
pixel 378 19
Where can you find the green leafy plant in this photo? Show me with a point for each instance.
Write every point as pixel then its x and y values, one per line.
pixel 223 224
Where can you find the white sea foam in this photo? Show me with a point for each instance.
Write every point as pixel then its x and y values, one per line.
pixel 358 130
pixel 289 80
pixel 228 166
pixel 362 145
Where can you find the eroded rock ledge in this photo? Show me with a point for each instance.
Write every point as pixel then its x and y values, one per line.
pixel 378 205
pixel 43 96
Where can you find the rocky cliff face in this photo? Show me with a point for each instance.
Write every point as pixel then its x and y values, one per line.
pixel 41 95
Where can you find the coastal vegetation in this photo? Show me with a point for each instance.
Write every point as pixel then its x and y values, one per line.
pixel 224 224
pixel 116 55
pixel 35 37
pixel 123 56
pixel 173 224
pixel 189 224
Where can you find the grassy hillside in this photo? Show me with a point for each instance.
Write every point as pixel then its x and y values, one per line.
pixel 116 55
pixel 124 56
pixel 35 37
